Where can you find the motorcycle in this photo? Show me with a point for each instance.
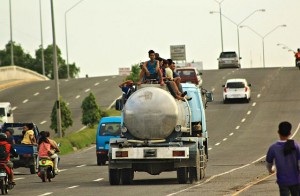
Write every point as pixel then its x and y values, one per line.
pixel 298 64
pixel 46 169
pixel 4 184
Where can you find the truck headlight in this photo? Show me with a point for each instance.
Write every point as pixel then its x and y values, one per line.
pixel 124 129
pixel 177 128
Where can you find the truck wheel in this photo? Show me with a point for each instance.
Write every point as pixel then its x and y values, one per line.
pixel 32 169
pixel 127 176
pixel 194 172
pixel 114 176
pixel 182 175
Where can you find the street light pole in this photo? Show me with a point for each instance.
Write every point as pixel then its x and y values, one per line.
pixel 42 45
pixel 58 109
pixel 263 38
pixel 11 38
pixel 66 34
pixel 238 25
pixel 221 26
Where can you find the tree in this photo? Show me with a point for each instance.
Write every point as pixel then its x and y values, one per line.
pixel 91 113
pixel 20 57
pixel 66 117
pixel 135 73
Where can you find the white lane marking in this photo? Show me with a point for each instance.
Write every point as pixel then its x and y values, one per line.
pixel 208 180
pixel 231 134
pixel 87 90
pixel 223 77
pixel 96 84
pixel 71 187
pixel 37 93
pixel 66 80
pixel 25 101
pixel 249 112
pixel 81 165
pixel 47 87
pixel 217 144
pixel 14 108
pixel 225 139
pixel 62 170
pixel 209 148
pixel 113 76
pixel 19 178
pixel 237 127
pixel 77 96
pixel 105 80
pixel 43 122
pixel 82 128
pixel 49 193
pixel 243 120
pixel 213 89
pixel 253 104
pixel 68 103
pixel 97 180
pixel 258 96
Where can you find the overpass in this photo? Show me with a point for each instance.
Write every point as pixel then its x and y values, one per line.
pixel 13 75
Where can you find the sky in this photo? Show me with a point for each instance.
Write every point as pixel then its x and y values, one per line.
pixel 105 35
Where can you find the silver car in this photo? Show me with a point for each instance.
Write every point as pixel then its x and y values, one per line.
pixel 229 60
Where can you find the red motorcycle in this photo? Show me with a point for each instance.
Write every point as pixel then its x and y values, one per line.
pixel 4 184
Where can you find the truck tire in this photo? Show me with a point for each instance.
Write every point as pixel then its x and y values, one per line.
pixel 127 176
pixel 182 175
pixel 32 169
pixel 114 176
pixel 194 172
pixel 203 161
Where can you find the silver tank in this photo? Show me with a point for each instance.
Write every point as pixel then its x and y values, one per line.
pixel 152 113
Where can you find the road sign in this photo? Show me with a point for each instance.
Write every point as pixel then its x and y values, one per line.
pixel 178 53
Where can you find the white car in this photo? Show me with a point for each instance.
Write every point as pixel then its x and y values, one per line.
pixel 237 88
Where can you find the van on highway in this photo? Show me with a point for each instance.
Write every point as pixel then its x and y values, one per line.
pixel 6 115
pixel 109 127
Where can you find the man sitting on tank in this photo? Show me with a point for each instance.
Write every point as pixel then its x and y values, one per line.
pixel 172 86
pixel 151 70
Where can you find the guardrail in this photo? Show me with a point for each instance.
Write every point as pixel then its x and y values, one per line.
pixel 13 72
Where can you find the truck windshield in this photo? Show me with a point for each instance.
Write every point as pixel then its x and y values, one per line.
pixel 110 129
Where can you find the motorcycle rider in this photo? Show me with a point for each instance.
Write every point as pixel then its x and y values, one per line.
pixel 297 56
pixel 9 150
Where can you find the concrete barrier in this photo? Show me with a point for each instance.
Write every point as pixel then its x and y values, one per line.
pixel 19 73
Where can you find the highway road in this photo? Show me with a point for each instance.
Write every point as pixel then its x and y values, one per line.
pixel 33 102
pixel 239 136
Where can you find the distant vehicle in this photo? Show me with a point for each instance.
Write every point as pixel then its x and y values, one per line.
pixel 229 60
pixel 190 75
pixel 27 152
pixel 6 115
pixel 109 127
pixel 236 89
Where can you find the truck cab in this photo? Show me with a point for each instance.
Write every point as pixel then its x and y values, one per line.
pixel 109 127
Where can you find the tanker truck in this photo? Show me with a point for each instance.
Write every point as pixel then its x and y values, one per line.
pixel 160 133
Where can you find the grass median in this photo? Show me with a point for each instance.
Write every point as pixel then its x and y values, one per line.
pixel 81 139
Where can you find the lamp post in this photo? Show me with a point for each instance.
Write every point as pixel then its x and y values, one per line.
pixel 66 34
pixel 58 110
pixel 11 38
pixel 42 45
pixel 220 11
pixel 263 38
pixel 238 25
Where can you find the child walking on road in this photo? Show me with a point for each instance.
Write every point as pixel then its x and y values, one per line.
pixel 286 154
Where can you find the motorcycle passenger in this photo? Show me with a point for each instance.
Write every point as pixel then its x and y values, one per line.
pixel 5 156
pixel 44 149
pixel 297 56
pixel 54 150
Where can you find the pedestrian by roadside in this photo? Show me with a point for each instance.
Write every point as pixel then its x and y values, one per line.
pixel 285 153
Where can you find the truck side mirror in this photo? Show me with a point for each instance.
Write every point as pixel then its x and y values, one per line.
pixel 223 85
pixel 119 104
pixel 209 96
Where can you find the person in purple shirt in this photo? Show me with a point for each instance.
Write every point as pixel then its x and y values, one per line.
pixel 286 155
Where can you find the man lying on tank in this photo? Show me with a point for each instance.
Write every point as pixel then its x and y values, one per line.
pixel 172 86
pixel 151 70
